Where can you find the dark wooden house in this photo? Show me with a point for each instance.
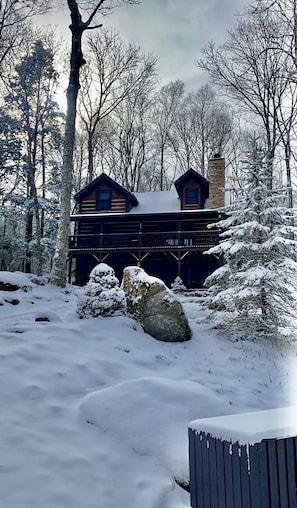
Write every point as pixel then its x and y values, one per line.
pixel 164 232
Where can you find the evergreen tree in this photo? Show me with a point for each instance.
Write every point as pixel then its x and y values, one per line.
pixel 178 286
pixel 256 282
pixel 30 100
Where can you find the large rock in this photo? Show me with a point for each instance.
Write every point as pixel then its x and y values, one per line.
pixel 151 303
pixel 12 281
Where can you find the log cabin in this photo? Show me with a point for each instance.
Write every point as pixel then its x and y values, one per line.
pixel 164 232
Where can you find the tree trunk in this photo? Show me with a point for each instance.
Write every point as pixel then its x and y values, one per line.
pixel 288 173
pixel 59 271
pixel 42 216
pixel 29 223
pixel 162 169
pixel 90 157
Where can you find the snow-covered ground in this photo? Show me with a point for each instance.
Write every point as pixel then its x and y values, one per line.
pixel 94 412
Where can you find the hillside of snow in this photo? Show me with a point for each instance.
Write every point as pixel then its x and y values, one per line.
pixel 94 412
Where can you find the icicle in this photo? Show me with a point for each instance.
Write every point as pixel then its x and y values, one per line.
pixel 248 458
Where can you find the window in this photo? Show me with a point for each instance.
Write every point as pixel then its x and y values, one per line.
pixel 103 200
pixel 191 196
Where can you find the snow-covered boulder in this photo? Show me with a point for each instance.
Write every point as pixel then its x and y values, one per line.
pixel 102 296
pixel 150 302
pixel 12 281
pixel 137 284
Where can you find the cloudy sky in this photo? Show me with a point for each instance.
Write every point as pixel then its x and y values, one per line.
pixel 175 31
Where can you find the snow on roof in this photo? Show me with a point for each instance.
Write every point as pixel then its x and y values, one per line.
pixel 157 202
pixel 151 202
pixel 250 428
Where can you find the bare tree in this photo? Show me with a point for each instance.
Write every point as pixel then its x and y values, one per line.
pixel 284 42
pixel 202 128
pixel 284 13
pixel 250 71
pixel 167 105
pixel 13 17
pixel 114 71
pixel 77 27
pixel 131 139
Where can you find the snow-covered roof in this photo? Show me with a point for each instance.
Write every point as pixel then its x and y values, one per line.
pixel 251 428
pixel 157 202
pixel 151 202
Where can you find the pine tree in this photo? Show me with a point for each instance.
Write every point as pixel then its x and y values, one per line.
pixel 178 286
pixel 255 285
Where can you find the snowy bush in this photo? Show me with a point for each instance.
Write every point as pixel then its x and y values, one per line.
pixel 178 285
pixel 102 295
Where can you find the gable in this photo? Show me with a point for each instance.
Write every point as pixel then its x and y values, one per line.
pixel 105 195
pixel 192 189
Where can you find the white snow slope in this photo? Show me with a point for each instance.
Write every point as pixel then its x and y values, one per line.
pixel 94 412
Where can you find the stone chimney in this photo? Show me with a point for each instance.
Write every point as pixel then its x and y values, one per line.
pixel 216 177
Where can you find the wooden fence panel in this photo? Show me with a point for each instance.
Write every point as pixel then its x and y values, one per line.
pixel 255 478
pixel 291 472
pixel 273 479
pixel 282 473
pixel 220 473
pixel 193 464
pixel 236 475
pixel 199 474
pixel 205 471
pixel 213 474
pixel 264 474
pixel 245 478
pixel 228 475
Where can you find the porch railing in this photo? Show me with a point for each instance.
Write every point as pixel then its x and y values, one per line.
pixel 145 241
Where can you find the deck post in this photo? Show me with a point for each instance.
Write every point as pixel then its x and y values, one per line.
pixel 69 269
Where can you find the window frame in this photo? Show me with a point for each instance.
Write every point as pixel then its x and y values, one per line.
pixel 100 201
pixel 194 199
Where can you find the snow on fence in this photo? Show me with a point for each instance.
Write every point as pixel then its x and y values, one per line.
pixel 245 460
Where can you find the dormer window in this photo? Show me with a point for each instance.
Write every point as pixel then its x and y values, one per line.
pixel 103 200
pixel 191 196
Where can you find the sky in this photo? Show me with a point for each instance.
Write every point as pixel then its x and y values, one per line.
pixel 95 412
pixel 175 31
